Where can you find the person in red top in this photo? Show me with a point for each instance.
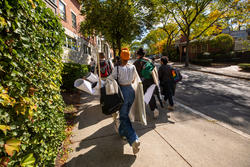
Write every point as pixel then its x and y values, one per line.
pixel 105 66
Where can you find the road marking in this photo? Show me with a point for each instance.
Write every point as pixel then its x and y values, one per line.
pixel 214 120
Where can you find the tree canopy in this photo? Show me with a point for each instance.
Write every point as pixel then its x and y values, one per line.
pixel 154 40
pixel 195 18
pixel 118 21
pixel 238 15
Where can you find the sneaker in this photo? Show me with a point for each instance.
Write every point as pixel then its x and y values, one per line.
pixel 135 146
pixel 171 108
pixel 124 138
pixel 156 113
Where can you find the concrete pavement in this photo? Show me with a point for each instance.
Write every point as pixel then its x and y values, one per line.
pixel 177 140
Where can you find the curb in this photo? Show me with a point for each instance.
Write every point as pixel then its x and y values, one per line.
pixel 209 72
pixel 229 127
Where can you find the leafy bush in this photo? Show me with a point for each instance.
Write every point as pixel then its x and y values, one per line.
pixel 245 66
pixel 171 52
pixel 71 72
pixel 202 62
pixel 223 42
pixel 32 125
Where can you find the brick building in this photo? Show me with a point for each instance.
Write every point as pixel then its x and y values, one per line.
pixel 77 48
pixel 241 43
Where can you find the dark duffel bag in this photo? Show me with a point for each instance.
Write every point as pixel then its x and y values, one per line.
pixel 111 103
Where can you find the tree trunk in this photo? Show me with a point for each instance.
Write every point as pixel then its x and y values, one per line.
pixel 187 55
pixel 168 52
pixel 119 46
pixel 114 49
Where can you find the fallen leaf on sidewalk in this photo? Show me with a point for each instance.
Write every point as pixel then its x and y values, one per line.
pixel 212 121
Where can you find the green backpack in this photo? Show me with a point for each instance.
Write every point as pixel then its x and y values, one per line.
pixel 147 69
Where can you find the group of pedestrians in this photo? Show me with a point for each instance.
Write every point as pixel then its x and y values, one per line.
pixel 126 73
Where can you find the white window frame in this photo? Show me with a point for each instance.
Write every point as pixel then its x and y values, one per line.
pixel 53 1
pixel 72 19
pixel 62 2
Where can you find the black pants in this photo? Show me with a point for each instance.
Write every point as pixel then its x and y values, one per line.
pixel 168 90
pixel 146 84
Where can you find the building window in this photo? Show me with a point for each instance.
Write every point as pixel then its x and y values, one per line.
pixel 85 49
pixel 74 44
pixel 62 9
pixel 71 43
pixel 73 19
pixel 89 50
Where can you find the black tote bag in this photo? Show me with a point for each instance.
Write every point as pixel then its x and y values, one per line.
pixel 111 103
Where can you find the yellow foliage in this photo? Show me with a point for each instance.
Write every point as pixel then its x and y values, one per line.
pixel 214 14
pixel 5 99
pixel 32 3
pixel 12 145
pixel 53 86
pixel 159 46
pixel 4 128
pixel 26 104
pixel 2 21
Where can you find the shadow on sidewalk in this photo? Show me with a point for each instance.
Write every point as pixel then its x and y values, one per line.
pixel 104 147
pixel 105 151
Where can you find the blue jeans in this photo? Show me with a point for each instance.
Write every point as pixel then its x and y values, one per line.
pixel 125 128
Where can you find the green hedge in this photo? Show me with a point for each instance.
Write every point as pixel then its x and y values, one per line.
pixel 71 72
pixel 32 125
pixel 171 52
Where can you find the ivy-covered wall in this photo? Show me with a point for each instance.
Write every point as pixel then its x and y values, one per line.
pixel 31 107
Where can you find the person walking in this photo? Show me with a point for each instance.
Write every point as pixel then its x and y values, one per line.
pixel 92 65
pixel 105 66
pixel 147 82
pixel 126 75
pixel 167 82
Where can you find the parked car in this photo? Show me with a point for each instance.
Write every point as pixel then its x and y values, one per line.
pixel 151 56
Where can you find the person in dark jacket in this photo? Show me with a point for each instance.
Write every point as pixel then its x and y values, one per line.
pixel 139 64
pixel 167 82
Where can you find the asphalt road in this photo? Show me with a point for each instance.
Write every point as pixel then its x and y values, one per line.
pixel 223 98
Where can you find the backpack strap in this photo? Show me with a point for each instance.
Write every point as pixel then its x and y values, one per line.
pixel 99 72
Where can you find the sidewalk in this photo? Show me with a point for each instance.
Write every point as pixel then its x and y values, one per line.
pixel 230 71
pixel 183 139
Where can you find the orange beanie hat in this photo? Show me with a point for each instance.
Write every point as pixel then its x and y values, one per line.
pixel 125 55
